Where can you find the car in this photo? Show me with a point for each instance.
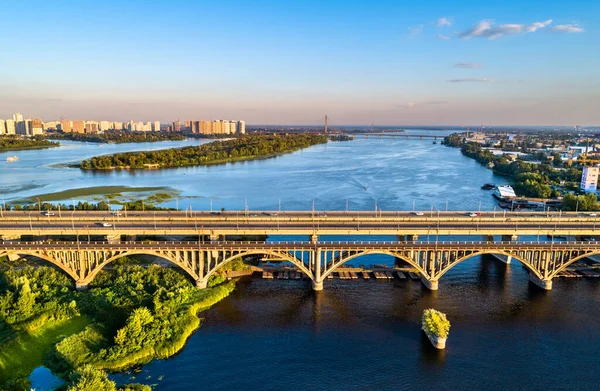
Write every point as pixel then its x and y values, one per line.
pixel 473 214
pixel 323 215
pixel 418 213
pixel 48 213
pixel 253 215
pixel 117 213
pixel 215 213
pixel 593 214
pixel 105 224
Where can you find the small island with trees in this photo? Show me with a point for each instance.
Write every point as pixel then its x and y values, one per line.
pixel 18 143
pixel 119 137
pixel 436 326
pixel 243 148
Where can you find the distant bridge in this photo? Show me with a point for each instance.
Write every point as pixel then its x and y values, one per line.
pixel 406 136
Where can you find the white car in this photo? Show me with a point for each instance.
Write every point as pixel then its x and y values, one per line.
pixel 105 224
pixel 473 214
pixel 593 214
pixel 418 213
pixel 48 213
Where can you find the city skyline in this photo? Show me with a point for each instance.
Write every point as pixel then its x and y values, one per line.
pixel 358 62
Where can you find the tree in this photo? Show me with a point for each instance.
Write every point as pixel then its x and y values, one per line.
pixel 89 378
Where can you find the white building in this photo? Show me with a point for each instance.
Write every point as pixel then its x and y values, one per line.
pixel 118 125
pixel 2 127
pixel 105 125
pixel 241 128
pixel 10 126
pixel 589 179
pixel 156 126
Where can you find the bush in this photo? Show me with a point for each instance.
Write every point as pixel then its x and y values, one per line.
pixel 434 323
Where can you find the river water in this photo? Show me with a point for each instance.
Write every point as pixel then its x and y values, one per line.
pixel 355 335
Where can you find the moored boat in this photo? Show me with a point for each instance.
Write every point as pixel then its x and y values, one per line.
pixel 12 158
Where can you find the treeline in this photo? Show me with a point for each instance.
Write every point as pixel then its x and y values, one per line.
pixel 102 205
pixel 532 180
pixel 119 137
pixel 17 143
pixel 133 314
pixel 243 148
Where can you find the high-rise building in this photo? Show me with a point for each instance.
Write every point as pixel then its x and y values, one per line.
pixel 52 125
pixel 78 127
pixel 91 128
pixel 17 117
pixel 241 127
pixel 156 126
pixel 36 128
pixel 118 125
pixel 2 126
pixel 10 126
pixel 177 126
pixel 589 179
pixel 65 126
pixel 105 125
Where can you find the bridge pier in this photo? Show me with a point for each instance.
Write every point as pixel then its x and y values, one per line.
pixel 503 258
pixel 202 283
pixel 317 285
pixel 544 284
pixel 432 285
pixel 81 285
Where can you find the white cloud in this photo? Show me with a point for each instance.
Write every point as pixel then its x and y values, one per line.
pixel 472 80
pixel 443 37
pixel 467 65
pixel 444 22
pixel 486 29
pixel 567 28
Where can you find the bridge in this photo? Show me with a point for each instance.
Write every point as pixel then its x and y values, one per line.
pixel 200 260
pixel 406 136
pixel 82 243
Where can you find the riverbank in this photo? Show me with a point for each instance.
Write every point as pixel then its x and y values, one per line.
pixel 130 316
pixel 243 148
pixel 118 137
pixel 18 143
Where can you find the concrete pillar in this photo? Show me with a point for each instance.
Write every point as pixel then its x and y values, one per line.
pixel 81 285
pixel 503 258
pixel 432 285
pixel 202 283
pixel 544 284
pixel 317 285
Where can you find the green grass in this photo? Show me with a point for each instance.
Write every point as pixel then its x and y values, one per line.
pixel 89 191
pixel 26 352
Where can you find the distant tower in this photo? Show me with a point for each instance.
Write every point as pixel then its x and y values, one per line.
pixel 325 123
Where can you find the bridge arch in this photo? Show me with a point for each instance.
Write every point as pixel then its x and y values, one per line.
pixel 571 261
pixel 71 273
pixel 342 261
pixel 284 255
pixel 92 274
pixel 524 262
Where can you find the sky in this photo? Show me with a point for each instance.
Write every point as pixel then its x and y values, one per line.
pixel 396 62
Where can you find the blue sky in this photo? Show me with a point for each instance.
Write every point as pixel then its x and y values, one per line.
pixel 292 62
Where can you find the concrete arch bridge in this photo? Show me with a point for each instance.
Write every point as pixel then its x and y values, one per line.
pixel 83 260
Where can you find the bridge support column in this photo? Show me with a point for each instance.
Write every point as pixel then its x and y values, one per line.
pixel 544 284
pixel 82 285
pixel 503 258
pixel 317 285
pixel 432 285
pixel 202 283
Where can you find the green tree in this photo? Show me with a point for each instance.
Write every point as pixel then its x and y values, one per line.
pixel 88 378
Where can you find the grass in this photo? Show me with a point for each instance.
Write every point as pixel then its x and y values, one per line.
pixel 89 191
pixel 22 355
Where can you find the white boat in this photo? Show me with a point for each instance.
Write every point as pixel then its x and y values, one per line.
pixel 12 158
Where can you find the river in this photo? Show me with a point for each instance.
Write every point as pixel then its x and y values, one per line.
pixel 355 335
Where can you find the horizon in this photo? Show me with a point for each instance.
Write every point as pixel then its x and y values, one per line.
pixel 272 64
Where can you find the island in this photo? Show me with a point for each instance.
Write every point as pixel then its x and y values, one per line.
pixel 436 326
pixel 244 148
pixel 119 137
pixel 18 143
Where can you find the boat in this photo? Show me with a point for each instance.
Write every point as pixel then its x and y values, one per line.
pixel 488 186
pixel 435 142
pixel 504 193
pixel 12 158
